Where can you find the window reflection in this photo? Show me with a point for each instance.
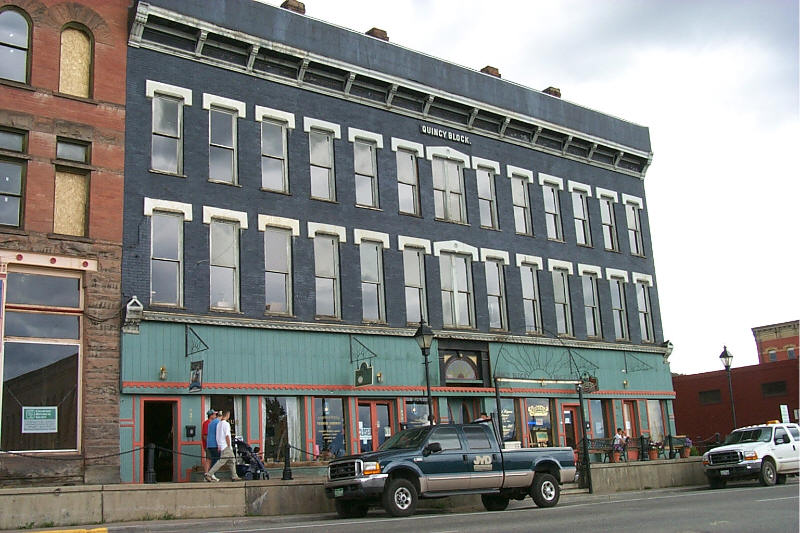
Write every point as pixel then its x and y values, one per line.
pixel 37 289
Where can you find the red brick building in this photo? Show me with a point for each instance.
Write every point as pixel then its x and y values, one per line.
pixel 703 406
pixel 62 119
pixel 777 342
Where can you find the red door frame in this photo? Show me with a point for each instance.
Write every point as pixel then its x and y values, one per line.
pixel 634 429
pixel 573 409
pixel 373 414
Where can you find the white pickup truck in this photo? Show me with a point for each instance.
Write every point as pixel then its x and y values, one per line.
pixel 769 452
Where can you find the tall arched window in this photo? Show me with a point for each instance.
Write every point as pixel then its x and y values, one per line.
pixel 14 46
pixel 76 62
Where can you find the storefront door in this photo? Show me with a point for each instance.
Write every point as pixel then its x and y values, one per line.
pixel 374 424
pixel 571 425
pixel 462 410
pixel 629 418
pixel 159 430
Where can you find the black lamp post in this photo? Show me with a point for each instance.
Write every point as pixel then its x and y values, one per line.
pixel 424 337
pixel 726 357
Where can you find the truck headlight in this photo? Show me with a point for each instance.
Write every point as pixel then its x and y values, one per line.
pixel 372 468
pixel 750 456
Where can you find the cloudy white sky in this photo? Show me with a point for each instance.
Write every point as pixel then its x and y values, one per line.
pixel 716 81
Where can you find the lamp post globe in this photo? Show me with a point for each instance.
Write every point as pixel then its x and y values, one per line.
pixel 726 357
pixel 424 337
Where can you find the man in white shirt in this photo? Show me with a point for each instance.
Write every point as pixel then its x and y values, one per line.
pixel 225 446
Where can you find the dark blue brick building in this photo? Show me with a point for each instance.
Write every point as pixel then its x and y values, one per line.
pixel 299 196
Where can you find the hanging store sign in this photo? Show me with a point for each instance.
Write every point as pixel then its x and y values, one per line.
pixel 196 376
pixel 40 419
pixel 444 134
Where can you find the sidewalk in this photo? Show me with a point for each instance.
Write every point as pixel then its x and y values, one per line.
pixel 570 496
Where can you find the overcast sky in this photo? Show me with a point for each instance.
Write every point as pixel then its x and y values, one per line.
pixel 717 84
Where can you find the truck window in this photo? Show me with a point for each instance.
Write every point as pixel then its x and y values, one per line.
pixel 447 437
pixel 795 432
pixel 476 438
pixel 779 434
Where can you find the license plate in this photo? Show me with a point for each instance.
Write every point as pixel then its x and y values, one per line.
pixel 724 472
pixel 338 492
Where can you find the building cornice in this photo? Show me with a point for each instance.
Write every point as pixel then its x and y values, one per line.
pixel 534 133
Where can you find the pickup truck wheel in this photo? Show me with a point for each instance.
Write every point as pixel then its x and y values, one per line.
pixel 494 502
pixel 781 479
pixel 717 483
pixel 768 475
pixel 545 491
pixel 400 497
pixel 350 509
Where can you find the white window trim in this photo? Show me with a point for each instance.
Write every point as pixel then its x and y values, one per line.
pixel 413 242
pixel 513 171
pixel 368 235
pixel 557 264
pixel 589 269
pixel 47 260
pixel 607 194
pixel 328 229
pixel 533 260
pixel 547 179
pixel 402 144
pixel 276 115
pixel 315 123
pixel 271 221
pixel 151 204
pixel 617 273
pixel 573 186
pixel 447 153
pixel 479 162
pixel 156 87
pixel 227 103
pixel 455 247
pixel 224 214
pixel 632 200
pixel 354 134
pixel 488 253
pixel 638 277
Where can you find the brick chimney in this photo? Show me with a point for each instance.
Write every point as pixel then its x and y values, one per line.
pixel 491 71
pixel 379 34
pixel 294 5
pixel 553 91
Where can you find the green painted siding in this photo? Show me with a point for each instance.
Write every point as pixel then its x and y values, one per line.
pixel 256 356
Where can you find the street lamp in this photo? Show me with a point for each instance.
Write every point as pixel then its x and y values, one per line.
pixel 726 357
pixel 424 337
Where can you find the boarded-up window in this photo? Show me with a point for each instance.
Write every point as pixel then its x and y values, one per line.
pixel 76 62
pixel 69 217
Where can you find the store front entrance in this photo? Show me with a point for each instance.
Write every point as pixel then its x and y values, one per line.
pixel 159 430
pixel 374 424
pixel 462 410
pixel 571 425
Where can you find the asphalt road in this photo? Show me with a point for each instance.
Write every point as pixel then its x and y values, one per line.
pixel 741 508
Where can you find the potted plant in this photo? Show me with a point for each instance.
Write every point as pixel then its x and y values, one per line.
pixel 652 452
pixel 687 448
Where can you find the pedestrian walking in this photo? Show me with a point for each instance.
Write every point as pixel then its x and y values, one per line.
pixel 211 416
pixel 211 439
pixel 225 445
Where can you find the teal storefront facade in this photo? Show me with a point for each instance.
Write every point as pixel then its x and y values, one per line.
pixel 287 385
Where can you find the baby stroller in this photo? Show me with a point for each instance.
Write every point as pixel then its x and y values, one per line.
pixel 250 467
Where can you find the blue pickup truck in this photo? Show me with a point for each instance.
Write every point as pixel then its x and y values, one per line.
pixel 446 460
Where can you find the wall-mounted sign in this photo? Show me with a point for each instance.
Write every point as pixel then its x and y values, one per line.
pixel 196 376
pixel 40 419
pixel 444 134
